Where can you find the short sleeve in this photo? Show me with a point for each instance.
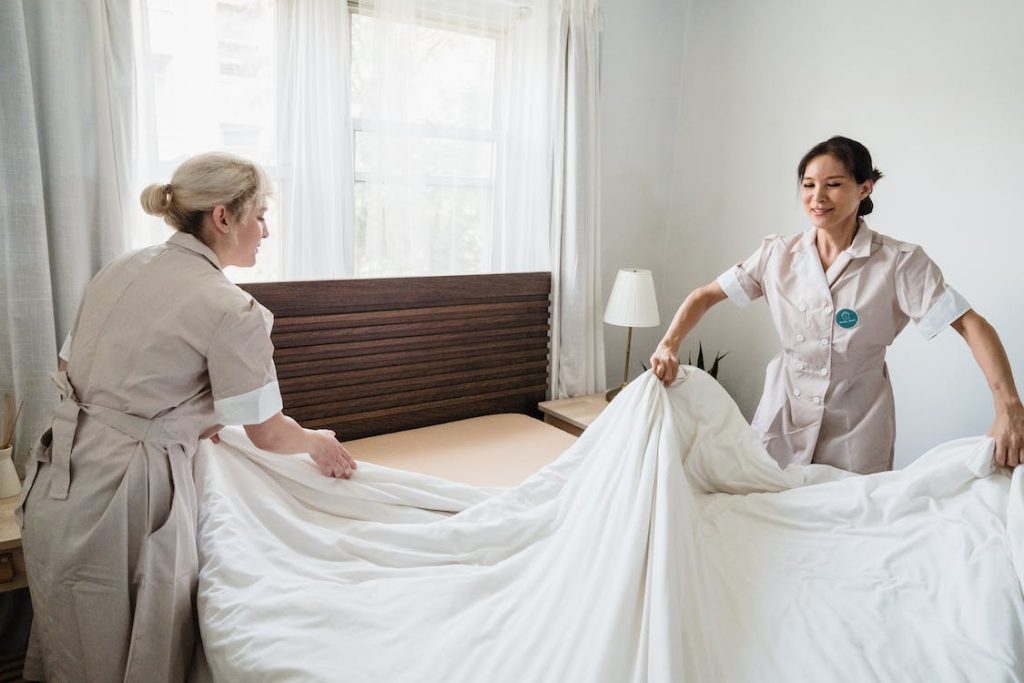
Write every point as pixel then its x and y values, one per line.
pixel 923 294
pixel 64 353
pixel 65 349
pixel 743 282
pixel 240 363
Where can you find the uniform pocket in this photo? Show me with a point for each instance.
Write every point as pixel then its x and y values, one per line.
pixel 40 455
pixel 164 630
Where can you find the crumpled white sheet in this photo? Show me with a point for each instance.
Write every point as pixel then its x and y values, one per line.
pixel 665 545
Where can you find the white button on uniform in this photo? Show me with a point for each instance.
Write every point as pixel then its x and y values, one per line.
pixel 796 392
pixel 828 311
pixel 823 341
pixel 803 308
pixel 824 371
pixel 817 399
pixel 799 337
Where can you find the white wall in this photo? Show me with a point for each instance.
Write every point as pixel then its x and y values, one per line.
pixel 641 68
pixel 934 89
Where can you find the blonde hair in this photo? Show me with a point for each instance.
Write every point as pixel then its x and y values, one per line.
pixel 203 182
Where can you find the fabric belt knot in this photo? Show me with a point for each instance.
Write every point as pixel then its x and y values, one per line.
pixel 65 424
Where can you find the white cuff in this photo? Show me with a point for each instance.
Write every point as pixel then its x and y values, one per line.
pixel 730 284
pixel 252 407
pixel 943 312
pixel 65 349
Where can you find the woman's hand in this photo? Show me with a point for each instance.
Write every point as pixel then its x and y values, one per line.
pixel 330 456
pixel 665 364
pixel 212 433
pixel 1008 431
pixel 281 434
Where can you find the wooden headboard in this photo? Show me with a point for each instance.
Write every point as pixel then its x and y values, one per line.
pixel 371 356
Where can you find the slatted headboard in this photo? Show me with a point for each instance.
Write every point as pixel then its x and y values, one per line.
pixel 370 356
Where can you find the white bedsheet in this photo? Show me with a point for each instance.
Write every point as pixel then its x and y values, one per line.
pixel 665 545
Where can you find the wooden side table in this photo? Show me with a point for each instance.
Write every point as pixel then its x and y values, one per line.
pixel 575 414
pixel 12 561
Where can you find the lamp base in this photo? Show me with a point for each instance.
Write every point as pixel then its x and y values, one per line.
pixel 612 393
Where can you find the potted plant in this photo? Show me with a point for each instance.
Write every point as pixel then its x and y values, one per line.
pixel 10 485
pixel 700 360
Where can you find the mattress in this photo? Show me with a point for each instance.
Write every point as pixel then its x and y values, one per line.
pixel 493 450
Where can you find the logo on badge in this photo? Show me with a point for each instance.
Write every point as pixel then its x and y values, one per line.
pixel 846 318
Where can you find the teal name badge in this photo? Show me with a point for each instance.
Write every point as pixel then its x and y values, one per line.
pixel 846 318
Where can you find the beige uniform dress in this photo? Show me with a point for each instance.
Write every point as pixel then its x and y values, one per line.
pixel 165 346
pixel 827 397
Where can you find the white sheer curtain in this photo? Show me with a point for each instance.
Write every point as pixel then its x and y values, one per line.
pixel 526 138
pixel 314 140
pixel 452 138
pixel 577 340
pixel 65 118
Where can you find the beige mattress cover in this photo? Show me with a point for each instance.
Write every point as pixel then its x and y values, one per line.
pixel 493 450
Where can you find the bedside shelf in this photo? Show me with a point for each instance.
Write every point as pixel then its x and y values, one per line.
pixel 11 558
pixel 575 414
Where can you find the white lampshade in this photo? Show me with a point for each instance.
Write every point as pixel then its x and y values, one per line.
pixel 632 302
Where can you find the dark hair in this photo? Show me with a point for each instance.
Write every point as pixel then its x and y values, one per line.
pixel 852 155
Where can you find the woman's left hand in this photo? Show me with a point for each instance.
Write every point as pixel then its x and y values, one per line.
pixel 212 433
pixel 1008 431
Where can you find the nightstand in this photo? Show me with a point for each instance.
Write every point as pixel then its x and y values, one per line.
pixel 573 415
pixel 12 562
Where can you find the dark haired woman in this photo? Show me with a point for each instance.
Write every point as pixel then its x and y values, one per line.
pixel 839 294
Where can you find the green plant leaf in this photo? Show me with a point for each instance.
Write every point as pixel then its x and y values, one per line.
pixel 714 366
pixel 700 356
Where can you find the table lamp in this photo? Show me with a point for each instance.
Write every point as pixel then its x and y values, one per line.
pixel 632 303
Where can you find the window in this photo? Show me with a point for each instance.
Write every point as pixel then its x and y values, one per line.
pixel 426 133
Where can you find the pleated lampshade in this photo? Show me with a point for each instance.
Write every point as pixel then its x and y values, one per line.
pixel 632 302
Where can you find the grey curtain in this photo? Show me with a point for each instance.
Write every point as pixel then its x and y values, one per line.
pixel 65 124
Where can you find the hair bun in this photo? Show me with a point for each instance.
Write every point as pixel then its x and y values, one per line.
pixel 866 207
pixel 156 199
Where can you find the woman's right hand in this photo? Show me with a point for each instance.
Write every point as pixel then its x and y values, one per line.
pixel 665 364
pixel 281 434
pixel 329 455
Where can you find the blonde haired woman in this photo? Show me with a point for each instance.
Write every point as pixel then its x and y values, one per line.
pixel 165 350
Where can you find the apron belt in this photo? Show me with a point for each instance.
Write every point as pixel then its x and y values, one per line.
pixel 65 424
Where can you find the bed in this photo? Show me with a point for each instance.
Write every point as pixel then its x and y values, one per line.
pixel 662 545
